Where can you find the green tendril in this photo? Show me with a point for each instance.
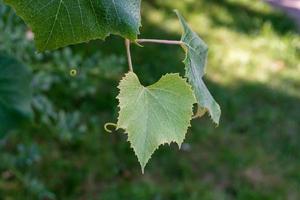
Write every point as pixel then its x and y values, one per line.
pixel 107 125
pixel 73 72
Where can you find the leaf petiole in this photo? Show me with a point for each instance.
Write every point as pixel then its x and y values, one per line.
pixel 127 44
pixel 170 42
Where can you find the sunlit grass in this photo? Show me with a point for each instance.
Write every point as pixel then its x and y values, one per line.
pixel 264 55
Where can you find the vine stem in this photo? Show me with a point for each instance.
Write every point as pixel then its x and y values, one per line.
pixel 127 44
pixel 171 42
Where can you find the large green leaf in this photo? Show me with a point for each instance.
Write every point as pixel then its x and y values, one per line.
pixel 58 23
pixel 154 115
pixel 195 62
pixel 15 94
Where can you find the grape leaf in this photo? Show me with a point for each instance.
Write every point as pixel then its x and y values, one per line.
pixel 156 114
pixel 195 62
pixel 58 23
pixel 15 94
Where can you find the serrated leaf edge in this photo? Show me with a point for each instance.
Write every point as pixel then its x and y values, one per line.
pixel 162 144
pixel 186 47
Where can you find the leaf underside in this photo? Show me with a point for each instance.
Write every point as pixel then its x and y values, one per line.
pixel 154 115
pixel 15 94
pixel 58 23
pixel 195 62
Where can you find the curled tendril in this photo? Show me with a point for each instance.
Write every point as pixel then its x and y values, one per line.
pixel 107 125
pixel 73 72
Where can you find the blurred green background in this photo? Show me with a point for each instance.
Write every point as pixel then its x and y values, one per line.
pixel 253 72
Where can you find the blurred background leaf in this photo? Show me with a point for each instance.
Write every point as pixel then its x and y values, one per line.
pixel 15 94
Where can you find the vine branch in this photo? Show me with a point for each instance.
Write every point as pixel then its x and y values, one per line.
pixel 171 42
pixel 127 44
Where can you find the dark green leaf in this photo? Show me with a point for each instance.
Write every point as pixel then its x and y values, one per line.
pixel 58 23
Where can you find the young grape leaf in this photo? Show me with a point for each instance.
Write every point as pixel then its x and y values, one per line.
pixel 15 94
pixel 156 114
pixel 195 61
pixel 58 23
